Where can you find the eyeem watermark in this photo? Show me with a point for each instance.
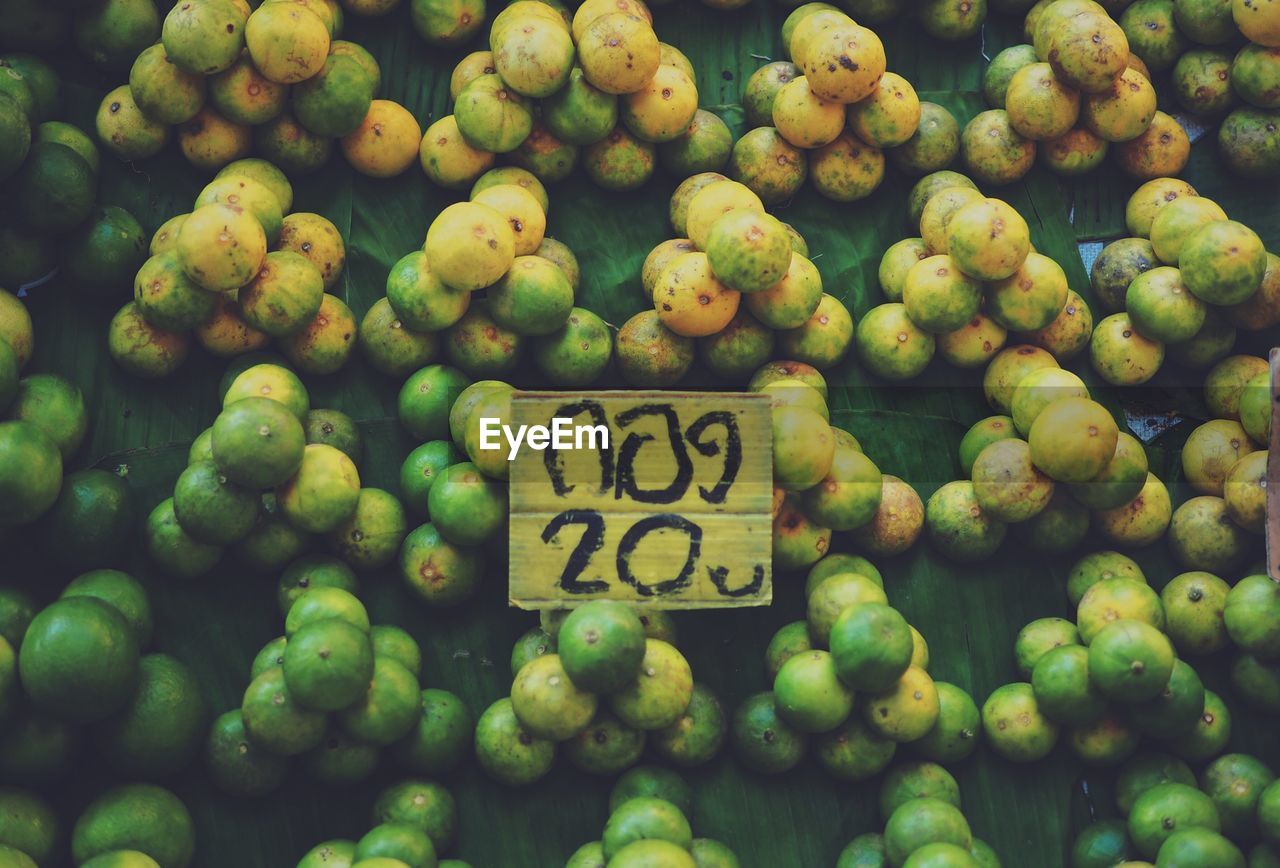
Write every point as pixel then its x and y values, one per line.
pixel 563 434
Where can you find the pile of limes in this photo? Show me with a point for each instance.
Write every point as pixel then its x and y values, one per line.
pixel 1169 816
pixel 853 649
pixel 557 85
pixel 493 251
pixel 275 80
pixel 43 423
pixel 597 684
pixel 1071 96
pixel 733 287
pixel 238 271
pixel 1026 311
pixel 1181 286
pixel 1249 616
pixel 844 496
pixel 336 693
pixel 414 821
pixel 80 661
pixel 924 826
pixel 1225 463
pixel 1113 676
pixel 832 113
pixel 526 310
pixel 1237 800
pixel 959 288
pixel 269 473
pixel 1204 615
pixel 823 482
pixel 1222 60
pixel 648 826
pixel 739 276
pixel 842 83
pixel 74 674
pixel 1053 463
pixel 135 825
pixel 421 316
pixel 465 502
pixel 51 172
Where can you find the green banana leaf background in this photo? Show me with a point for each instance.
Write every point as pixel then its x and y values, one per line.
pixel 970 615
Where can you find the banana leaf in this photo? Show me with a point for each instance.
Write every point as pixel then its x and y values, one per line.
pixel 970 615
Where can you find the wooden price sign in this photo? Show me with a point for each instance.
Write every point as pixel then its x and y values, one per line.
pixel 658 498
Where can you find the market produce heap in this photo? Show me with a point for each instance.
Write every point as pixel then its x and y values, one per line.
pixel 1099 434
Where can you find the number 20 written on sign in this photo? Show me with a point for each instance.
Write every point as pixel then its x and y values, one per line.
pixel 676 508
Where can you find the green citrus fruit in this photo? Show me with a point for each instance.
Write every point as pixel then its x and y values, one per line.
pixel 257 442
pixel 397 841
pixel 1209 736
pixel 323 492
pixel 158 732
pixel 90 522
pixel 1147 770
pixel 921 822
pixel 661 691
pixel 907 711
pixel 1117 599
pixel 309 572
pixel 809 693
pixel 602 646
pixel 421 469
pixel 274 721
pixel 467 507
pixel 121 591
pixel 438 741
pixel 697 735
pixel 1168 808
pixel 32 474
pixel 138 817
pixel 1015 726
pixel 212 508
pixel 534 642
pixel 390 708
pixel 1130 660
pixel 1236 782
pixel 1194 604
pixel 79 660
pixel 237 765
pixel 836 563
pixel 1197 846
pixel 507 751
pixel 1250 613
pixel 871 646
pixel 959 527
pixel 916 780
pixel 328 664
pixel 764 741
pixel 1096 566
pixel 955 735
pixel 835 594
pixel 323 603
pixel 1063 690
pixel 1223 262
pixel 1175 710
pixel 371 537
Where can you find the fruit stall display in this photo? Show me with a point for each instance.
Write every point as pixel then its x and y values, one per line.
pixel 1003 273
